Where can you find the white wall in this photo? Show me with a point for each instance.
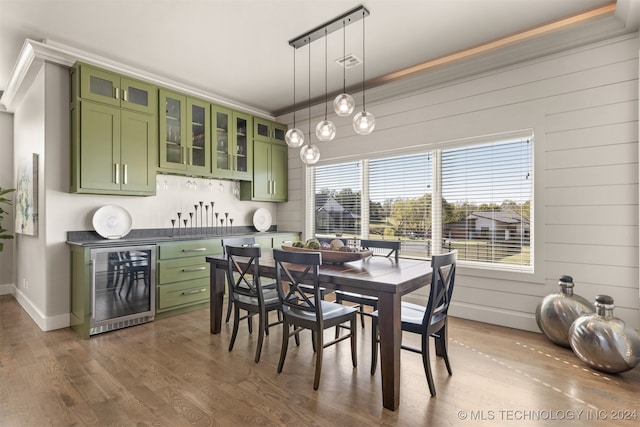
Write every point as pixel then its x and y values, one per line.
pixel 42 263
pixel 582 106
pixel 7 181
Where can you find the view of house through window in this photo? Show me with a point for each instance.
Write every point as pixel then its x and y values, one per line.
pixel 485 202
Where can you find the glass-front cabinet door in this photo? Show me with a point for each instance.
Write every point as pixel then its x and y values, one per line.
pixel 113 89
pixel 243 146
pixel 199 144
pixel 173 154
pixel 232 156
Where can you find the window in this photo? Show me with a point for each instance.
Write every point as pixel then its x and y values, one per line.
pixel 482 207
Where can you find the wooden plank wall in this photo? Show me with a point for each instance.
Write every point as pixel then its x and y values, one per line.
pixel 582 107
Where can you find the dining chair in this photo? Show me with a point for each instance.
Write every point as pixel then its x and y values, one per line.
pixel 247 293
pixel 237 241
pixel 429 321
pixel 387 248
pixel 304 311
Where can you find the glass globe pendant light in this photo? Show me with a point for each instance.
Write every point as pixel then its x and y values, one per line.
pixel 344 103
pixel 294 136
pixel 363 122
pixel 309 154
pixel 325 130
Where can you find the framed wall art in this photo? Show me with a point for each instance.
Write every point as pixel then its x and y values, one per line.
pixel 27 197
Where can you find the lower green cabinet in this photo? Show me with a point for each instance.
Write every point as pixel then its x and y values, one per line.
pixel 183 275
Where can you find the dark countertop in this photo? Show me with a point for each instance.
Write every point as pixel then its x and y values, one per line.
pixel 158 235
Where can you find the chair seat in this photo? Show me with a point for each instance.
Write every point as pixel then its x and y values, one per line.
pixel 330 312
pixel 270 298
pixel 353 297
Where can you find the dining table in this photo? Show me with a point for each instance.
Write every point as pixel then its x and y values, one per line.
pixel 385 278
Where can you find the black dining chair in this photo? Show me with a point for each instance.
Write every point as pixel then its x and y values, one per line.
pixel 304 311
pixel 240 241
pixel 247 293
pixel 386 248
pixel 429 321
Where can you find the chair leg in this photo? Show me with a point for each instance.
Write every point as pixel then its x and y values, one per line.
pixel 236 321
pixel 374 344
pixel 362 315
pixel 320 346
pixel 285 344
pixel 229 305
pixel 262 327
pixel 354 345
pixel 442 347
pixel 426 362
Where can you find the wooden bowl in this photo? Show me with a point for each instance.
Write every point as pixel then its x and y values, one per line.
pixel 333 257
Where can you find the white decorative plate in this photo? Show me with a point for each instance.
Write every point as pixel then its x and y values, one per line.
pixel 112 222
pixel 262 219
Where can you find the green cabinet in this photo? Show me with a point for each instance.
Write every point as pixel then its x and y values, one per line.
pixel 185 134
pixel 233 151
pixel 268 131
pixel 113 89
pixel 269 184
pixel 113 133
pixel 183 275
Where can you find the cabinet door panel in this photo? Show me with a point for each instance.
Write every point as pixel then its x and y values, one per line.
pixel 138 133
pixel 99 147
pixel 279 164
pixel 198 119
pixel 261 170
pixel 99 85
pixel 139 96
pixel 172 131
pixel 243 148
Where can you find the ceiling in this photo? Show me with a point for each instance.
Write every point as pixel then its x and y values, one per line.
pixel 238 49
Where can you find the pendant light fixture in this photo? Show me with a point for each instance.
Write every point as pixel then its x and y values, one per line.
pixel 363 122
pixel 309 154
pixel 325 130
pixel 294 136
pixel 344 103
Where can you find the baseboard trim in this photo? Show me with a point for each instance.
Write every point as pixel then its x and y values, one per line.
pixel 7 289
pixel 44 323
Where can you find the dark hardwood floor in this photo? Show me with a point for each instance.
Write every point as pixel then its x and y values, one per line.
pixel 172 372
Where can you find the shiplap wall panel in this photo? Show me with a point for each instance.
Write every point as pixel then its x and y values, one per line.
pixel 582 105
pixel 599 194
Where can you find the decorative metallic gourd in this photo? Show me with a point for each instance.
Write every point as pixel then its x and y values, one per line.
pixel 556 312
pixel 603 341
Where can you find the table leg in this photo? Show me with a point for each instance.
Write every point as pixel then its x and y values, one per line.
pixel 216 298
pixel 390 342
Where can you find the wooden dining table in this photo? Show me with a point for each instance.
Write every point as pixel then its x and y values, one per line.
pixel 378 276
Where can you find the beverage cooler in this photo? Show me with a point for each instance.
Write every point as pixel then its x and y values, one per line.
pixel 122 287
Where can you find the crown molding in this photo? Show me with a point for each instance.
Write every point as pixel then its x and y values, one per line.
pixel 35 54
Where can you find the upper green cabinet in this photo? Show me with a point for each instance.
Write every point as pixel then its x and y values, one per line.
pixel 113 141
pixel 113 89
pixel 232 148
pixel 185 134
pixel 268 131
pixel 269 183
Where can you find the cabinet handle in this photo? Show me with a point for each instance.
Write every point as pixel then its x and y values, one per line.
pixel 194 250
pixel 117 168
pixel 124 95
pixel 196 291
pixel 126 174
pixel 190 270
pixel 117 93
pixel 274 187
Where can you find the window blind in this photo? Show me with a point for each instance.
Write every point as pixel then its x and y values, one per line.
pixel 486 192
pixel 400 201
pixel 337 200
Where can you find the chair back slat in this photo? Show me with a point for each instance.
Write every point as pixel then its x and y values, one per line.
pixel 237 241
pixel 295 297
pixel 442 283
pixel 386 248
pixel 244 281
